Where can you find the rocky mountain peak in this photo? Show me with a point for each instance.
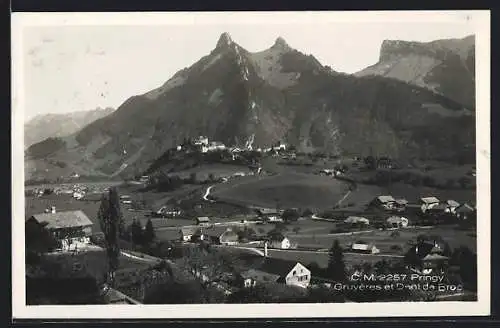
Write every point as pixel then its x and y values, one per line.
pixel 280 43
pixel 224 40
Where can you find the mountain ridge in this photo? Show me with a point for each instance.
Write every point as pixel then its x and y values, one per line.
pixel 49 125
pixel 445 66
pixel 278 94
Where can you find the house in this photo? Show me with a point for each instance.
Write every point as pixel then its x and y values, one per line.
pixel 428 202
pixel 400 204
pixel 191 233
pixel 451 205
pixel 273 270
pixel 426 258
pixel 71 228
pixel 201 141
pixel 215 145
pixel 357 220
pixel 166 211
pixel 464 211
pixel 362 247
pixel 397 222
pixel 386 202
pixel 278 240
pixel 202 220
pixel 144 179
pixel 270 214
pixel 222 235
pixel 384 163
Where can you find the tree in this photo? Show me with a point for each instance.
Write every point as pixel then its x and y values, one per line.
pixel 290 215
pixel 211 177
pixel 336 269
pixel 149 233
pixel 192 178
pixel 136 232
pixel 209 268
pixel 370 162
pixel 110 218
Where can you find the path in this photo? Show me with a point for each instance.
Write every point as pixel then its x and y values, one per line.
pixel 207 192
pixel 343 198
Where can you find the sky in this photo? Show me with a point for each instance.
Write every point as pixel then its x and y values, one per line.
pixel 73 68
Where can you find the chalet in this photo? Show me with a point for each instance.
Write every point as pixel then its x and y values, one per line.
pixel 70 227
pixel 385 202
pixel 357 220
pixel 190 233
pixel 400 204
pixel 269 214
pixel 426 258
pixel 428 202
pixel 397 222
pixel 273 270
pixel 278 240
pixel 464 211
pixel 384 163
pixel 222 235
pixel 452 205
pixel 202 220
pixel 362 247
pixel 201 140
pixel 144 179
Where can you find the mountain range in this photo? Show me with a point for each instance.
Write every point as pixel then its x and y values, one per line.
pixel 446 66
pixel 46 126
pixel 279 94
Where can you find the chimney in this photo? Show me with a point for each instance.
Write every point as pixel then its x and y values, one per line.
pixel 265 249
pixel 53 209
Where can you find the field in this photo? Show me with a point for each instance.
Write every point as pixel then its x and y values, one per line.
pixel 286 190
pixel 218 170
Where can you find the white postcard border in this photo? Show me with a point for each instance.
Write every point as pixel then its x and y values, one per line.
pixel 481 21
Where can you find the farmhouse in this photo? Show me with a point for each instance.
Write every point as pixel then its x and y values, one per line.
pixel 428 202
pixel 278 240
pixel 70 228
pixel 222 235
pixel 464 211
pixel 277 270
pixel 357 220
pixel 452 205
pixel 362 247
pixel 166 211
pixel 397 222
pixel 384 202
pixel 269 214
pixel 426 258
pixel 201 140
pixel 202 220
pixel 400 204
pixel 190 233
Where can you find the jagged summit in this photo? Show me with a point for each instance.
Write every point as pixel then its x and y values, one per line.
pixel 281 44
pixel 224 40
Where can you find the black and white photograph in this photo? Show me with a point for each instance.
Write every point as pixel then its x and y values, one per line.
pixel 251 164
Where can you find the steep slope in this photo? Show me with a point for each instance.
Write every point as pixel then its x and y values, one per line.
pixel 443 66
pixel 232 95
pixel 46 126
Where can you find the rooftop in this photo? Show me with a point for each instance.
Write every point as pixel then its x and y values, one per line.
pixel 60 220
pixel 429 200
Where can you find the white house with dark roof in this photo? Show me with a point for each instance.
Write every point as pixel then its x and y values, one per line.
pixel 273 270
pixel 361 247
pixel 71 228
